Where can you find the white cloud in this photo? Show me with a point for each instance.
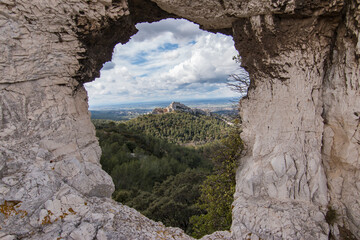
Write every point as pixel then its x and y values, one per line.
pixel 179 29
pixel 167 60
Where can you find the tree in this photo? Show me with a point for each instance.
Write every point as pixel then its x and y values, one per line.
pixel 239 82
pixel 218 189
pixel 162 180
pixel 174 200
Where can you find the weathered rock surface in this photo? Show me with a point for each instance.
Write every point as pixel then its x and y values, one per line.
pixel 300 125
pixel 51 183
pixel 300 119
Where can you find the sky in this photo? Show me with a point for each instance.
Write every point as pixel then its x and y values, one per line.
pixel 170 60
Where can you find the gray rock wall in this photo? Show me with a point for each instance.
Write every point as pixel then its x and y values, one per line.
pixel 300 119
pixel 341 133
pixel 301 126
pixel 282 186
pixel 51 183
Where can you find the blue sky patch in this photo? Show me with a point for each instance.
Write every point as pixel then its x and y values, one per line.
pixel 140 58
pixel 168 47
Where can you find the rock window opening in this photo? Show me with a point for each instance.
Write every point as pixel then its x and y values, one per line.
pixel 162 110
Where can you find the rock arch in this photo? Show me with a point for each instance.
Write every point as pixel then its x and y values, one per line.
pixel 301 117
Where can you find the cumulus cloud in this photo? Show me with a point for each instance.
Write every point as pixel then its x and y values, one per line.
pixel 180 29
pixel 168 60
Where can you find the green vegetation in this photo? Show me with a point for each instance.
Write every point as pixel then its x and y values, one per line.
pixel 137 160
pixel 111 115
pixel 218 189
pixel 117 115
pixel 174 200
pixel 186 187
pixel 180 127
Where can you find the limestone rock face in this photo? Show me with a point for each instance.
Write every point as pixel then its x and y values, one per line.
pixel 179 107
pixel 300 119
pixel 341 145
pixel 221 14
pixel 300 125
pixel 51 183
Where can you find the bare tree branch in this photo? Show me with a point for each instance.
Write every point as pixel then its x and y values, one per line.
pixel 239 82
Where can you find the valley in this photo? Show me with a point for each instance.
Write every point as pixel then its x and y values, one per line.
pixel 167 164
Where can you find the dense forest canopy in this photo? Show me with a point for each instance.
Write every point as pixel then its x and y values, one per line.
pixel 181 127
pixel 169 182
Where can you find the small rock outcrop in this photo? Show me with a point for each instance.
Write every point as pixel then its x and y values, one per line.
pixel 179 107
pixel 300 118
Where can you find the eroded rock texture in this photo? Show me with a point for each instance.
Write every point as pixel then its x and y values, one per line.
pixel 52 185
pixel 301 117
pixel 300 124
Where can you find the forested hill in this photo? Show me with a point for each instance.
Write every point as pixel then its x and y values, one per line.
pixel 169 182
pixel 180 127
pixel 153 176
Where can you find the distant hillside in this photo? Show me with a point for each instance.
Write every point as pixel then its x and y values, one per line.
pixel 118 115
pixel 180 127
pixel 179 107
pixel 122 145
pixel 123 112
pixel 159 179
pixel 171 182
